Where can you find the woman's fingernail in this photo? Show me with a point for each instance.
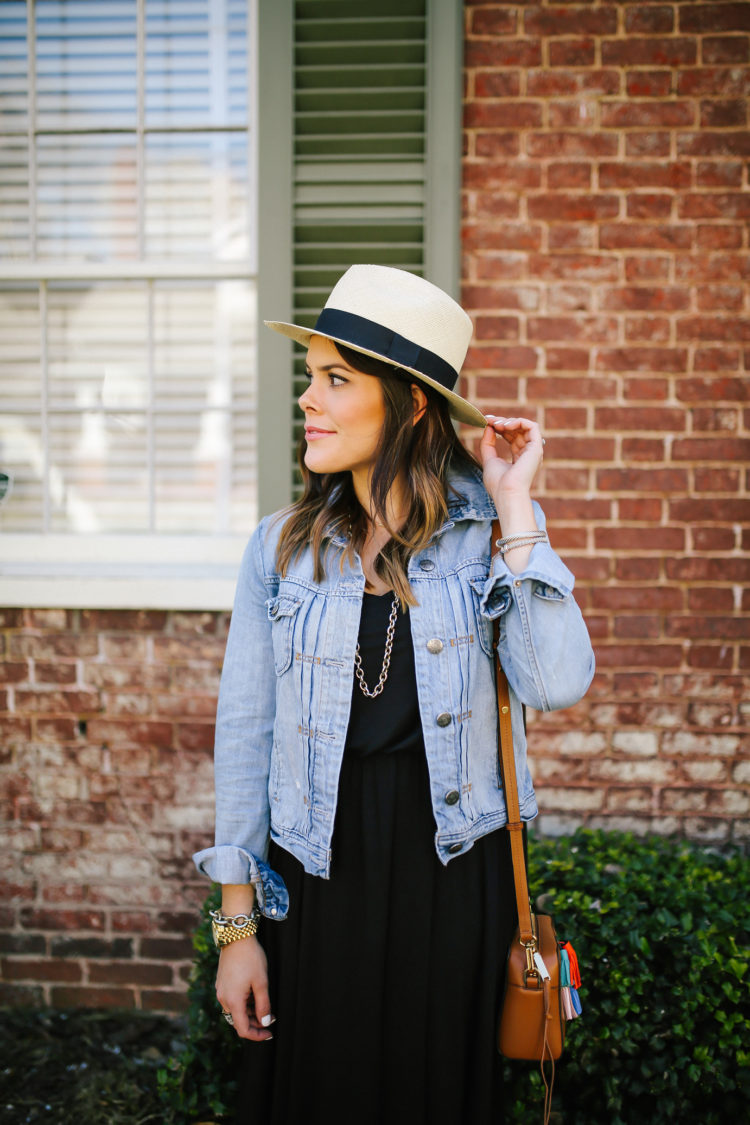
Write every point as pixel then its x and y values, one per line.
pixel 267 1021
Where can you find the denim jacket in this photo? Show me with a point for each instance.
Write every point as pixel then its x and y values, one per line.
pixel 286 689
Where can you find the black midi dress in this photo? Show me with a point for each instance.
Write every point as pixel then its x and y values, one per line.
pixel 385 979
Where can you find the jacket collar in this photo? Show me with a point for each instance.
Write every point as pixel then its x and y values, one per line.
pixel 468 499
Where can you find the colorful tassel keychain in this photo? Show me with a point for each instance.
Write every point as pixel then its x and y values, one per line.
pixel 570 981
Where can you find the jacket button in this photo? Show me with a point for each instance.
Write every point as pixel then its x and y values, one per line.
pixel 426 564
pixel 444 719
pixel 452 796
pixel 454 849
pixel 435 645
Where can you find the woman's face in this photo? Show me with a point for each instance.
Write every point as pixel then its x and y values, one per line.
pixel 344 413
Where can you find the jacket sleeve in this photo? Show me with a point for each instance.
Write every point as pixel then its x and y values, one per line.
pixel 544 644
pixel 244 740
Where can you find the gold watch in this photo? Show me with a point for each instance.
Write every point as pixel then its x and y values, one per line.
pixel 225 930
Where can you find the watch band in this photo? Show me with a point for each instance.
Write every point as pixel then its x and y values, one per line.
pixel 226 929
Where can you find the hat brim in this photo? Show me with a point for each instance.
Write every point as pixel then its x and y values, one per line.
pixel 460 408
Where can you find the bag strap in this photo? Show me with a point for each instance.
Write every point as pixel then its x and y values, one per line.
pixel 510 782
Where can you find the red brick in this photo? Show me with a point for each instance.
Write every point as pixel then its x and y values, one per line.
pixel 642 480
pixel 490 206
pixel 566 359
pixel 716 81
pixel 720 236
pixel 567 389
pixel 653 300
pixel 648 19
pixel 571 236
pixel 713 599
pixel 715 205
pixel 490 84
pixel 718 359
pixel 56 702
pixel 710 656
pixel 49 919
pixel 726 49
pixel 493 21
pixel 642 359
pixel 635 626
pixel 562 145
pixel 638 569
pixel 646 269
pixel 713 328
pixel 649 205
pixel 646 51
pixel 123 620
pixel 129 972
pixel 93 998
pixel 721 174
pixel 707 510
pixel 718 627
pixel 501 174
pixel 502 115
pixel 496 327
pixel 724 298
pixel 649 83
pixel 572 208
pixel 41 970
pixel 700 18
pixel 565 418
pixel 569 298
pixel 656 655
pixel 712 539
pixel 665 599
pixel 647 114
pixel 646 236
pixel 649 511
pixel 560 20
pixel 649 145
pixel 562 83
pixel 574 267
pixel 502 52
pixel 714 420
pixel 570 174
pixel 711 449
pixel 716 480
pixel 586 449
pixel 580 329
pixel 705 569
pixel 721 268
pixel 162 1001
pixel 572 52
pixel 493 145
pixel 723 114
pixel 734 142
pixel 649 389
pixel 654 329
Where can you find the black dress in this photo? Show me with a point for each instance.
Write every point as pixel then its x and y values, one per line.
pixel 386 978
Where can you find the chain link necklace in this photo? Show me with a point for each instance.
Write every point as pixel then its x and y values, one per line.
pixel 386 657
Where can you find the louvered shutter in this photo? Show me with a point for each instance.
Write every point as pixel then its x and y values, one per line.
pixel 363 149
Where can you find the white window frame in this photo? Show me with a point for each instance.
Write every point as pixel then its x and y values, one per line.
pixel 183 571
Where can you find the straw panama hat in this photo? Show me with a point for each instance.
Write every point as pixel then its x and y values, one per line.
pixel 395 316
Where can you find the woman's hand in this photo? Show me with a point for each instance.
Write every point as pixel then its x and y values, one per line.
pixel 242 988
pixel 524 442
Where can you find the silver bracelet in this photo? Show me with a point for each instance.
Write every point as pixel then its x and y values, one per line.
pixel 528 540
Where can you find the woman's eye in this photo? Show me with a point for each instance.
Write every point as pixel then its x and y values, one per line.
pixel 337 380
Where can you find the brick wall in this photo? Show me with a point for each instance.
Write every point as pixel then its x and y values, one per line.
pixel 107 730
pixel 606 266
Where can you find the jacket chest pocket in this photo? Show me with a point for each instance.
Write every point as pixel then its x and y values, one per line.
pixel 282 611
pixel 484 624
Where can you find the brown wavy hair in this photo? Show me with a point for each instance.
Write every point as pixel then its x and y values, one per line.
pixel 423 452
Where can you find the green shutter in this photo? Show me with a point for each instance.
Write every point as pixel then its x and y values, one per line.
pixel 361 162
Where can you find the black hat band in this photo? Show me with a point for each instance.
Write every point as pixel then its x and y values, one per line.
pixel 367 334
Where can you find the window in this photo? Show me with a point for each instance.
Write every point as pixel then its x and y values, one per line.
pixel 158 158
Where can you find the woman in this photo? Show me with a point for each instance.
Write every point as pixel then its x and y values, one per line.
pixel 356 756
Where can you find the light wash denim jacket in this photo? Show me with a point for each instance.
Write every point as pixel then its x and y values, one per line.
pixel 286 689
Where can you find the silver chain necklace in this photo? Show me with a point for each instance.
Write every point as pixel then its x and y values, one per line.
pixel 386 657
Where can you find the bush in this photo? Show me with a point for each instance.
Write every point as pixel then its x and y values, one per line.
pixel 662 933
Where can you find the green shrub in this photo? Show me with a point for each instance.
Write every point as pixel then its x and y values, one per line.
pixel 662 932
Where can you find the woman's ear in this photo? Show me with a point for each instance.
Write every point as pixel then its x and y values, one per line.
pixel 419 401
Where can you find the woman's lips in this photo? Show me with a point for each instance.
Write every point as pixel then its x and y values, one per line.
pixel 312 434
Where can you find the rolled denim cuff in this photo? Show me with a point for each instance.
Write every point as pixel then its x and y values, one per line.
pixel 544 567
pixel 226 863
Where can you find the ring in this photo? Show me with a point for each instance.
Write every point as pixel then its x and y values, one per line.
pixel 228 1017
pixel 543 442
